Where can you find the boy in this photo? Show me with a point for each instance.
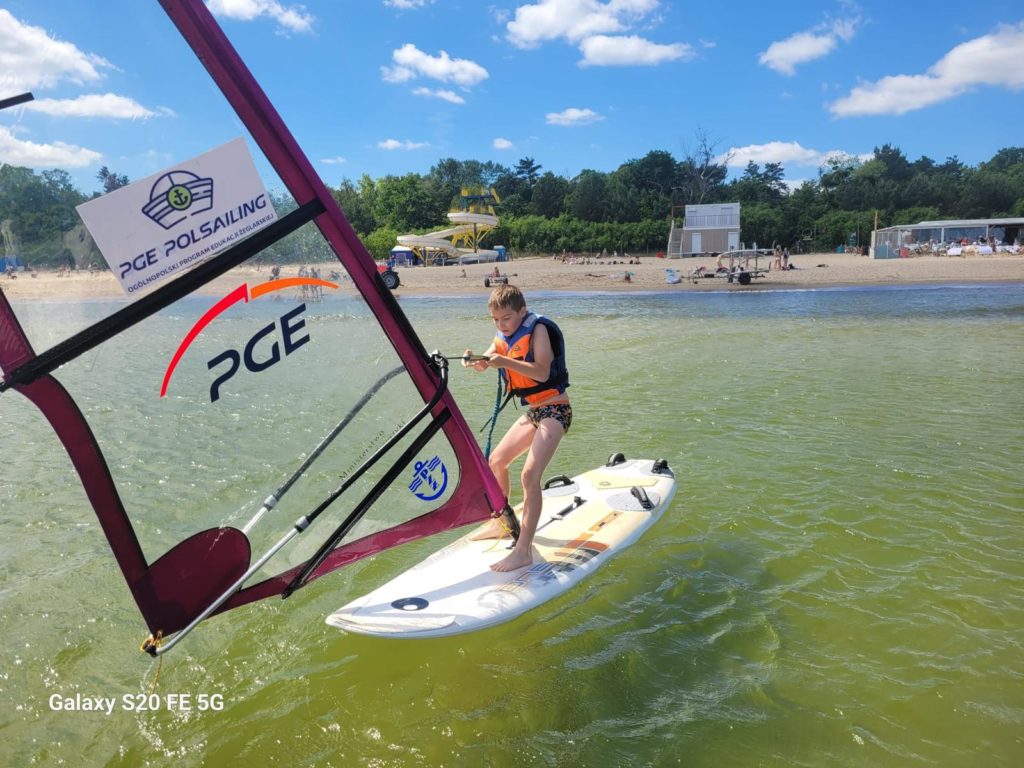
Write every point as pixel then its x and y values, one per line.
pixel 530 353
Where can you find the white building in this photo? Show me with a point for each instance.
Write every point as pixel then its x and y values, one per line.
pixel 710 228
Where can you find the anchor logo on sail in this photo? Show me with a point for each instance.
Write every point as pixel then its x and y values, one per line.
pixel 177 195
pixel 427 484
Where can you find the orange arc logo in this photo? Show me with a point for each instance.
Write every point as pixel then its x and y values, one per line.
pixel 241 293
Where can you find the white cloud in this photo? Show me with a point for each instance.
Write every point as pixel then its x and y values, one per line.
pixel 784 152
pixel 14 151
pixel 93 105
pixel 845 29
pixel 30 58
pixel 772 152
pixel 405 4
pixel 293 18
pixel 440 93
pixel 573 20
pixel 993 59
pixel 785 55
pixel 501 143
pixel 392 144
pixel 573 116
pixel 598 28
pixel 333 160
pixel 411 62
pixel 617 51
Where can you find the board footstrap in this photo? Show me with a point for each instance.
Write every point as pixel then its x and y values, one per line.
pixel 641 495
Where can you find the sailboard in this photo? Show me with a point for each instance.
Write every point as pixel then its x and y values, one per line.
pixel 239 435
pixel 584 521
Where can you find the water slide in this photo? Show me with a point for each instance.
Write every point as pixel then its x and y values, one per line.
pixel 468 229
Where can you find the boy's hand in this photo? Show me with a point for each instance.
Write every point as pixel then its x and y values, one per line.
pixel 469 360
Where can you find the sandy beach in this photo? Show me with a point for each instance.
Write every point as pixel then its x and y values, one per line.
pixel 542 273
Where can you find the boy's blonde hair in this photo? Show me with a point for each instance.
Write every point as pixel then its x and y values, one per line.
pixel 506 297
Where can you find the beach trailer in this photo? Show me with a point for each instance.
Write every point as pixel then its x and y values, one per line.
pixel 709 228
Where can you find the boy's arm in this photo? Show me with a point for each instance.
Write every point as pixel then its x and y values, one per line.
pixel 543 355
pixel 478 365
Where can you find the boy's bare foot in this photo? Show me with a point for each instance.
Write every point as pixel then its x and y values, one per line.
pixel 514 561
pixel 493 530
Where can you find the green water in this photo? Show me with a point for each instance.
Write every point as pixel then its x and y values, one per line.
pixel 838 582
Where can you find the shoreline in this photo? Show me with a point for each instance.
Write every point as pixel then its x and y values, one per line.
pixel 543 274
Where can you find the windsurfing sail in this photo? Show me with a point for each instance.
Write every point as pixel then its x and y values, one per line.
pixel 241 423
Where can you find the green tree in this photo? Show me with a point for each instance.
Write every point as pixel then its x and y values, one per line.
pixel 622 202
pixel 527 170
pixel 835 227
pixel 1005 159
pixel 657 171
pixel 836 175
pixel 897 167
pixel 447 175
pixel 380 242
pixel 548 198
pixel 948 180
pixel 801 210
pixel 38 210
pixel 587 196
pixel 757 186
pixel 357 210
pixel 763 223
pixel 450 176
pixel 111 180
pixel 988 192
pixel 642 189
pixel 515 203
pixel 407 202
pixel 914 215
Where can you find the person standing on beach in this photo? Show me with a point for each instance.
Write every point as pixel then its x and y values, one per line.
pixel 529 352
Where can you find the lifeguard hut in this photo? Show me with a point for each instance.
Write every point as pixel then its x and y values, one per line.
pixel 708 228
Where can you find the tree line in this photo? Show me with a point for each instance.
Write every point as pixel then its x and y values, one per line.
pixel 622 210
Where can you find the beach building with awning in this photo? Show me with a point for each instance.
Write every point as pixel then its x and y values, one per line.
pixel 947 236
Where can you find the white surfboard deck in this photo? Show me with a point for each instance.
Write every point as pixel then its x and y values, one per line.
pixel 455 591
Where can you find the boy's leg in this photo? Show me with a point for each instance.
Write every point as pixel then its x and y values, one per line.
pixel 515 442
pixel 545 441
pixel 513 445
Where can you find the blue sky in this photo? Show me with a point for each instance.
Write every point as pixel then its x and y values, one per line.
pixel 392 86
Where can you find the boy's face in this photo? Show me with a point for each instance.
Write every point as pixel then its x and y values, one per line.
pixel 507 320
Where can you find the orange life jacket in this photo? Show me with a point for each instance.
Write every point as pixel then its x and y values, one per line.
pixel 519 346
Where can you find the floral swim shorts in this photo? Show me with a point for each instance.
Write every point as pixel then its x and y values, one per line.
pixel 560 412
